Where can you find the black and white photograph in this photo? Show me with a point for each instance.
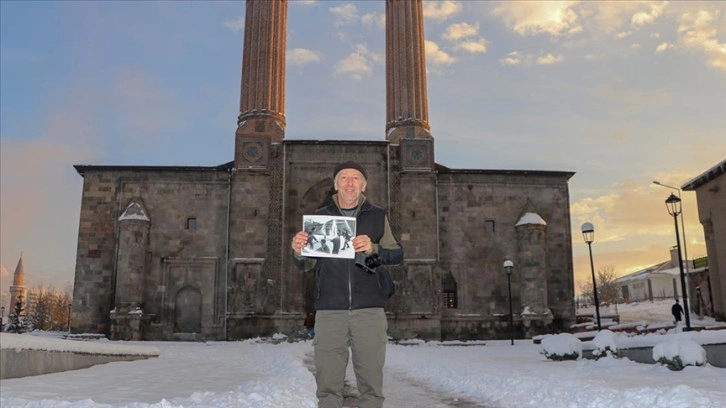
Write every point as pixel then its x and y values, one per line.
pixel 329 236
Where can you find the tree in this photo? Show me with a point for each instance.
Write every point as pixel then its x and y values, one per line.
pixel 607 290
pixel 49 309
pixel 16 318
pixel 586 293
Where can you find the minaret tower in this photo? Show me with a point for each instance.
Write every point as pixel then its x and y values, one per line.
pixel 412 150
pixel 17 290
pixel 407 110
pixel 261 120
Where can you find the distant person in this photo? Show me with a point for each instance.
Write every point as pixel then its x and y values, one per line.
pixel 677 311
pixel 346 239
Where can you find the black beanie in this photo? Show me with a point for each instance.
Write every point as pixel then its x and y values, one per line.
pixel 349 165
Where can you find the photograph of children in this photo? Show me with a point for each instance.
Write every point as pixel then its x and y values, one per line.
pixel 329 236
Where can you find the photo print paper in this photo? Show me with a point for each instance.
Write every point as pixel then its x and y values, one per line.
pixel 329 236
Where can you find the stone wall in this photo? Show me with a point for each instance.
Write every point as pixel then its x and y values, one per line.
pixel 228 275
pixel 179 258
pixel 711 197
pixel 477 214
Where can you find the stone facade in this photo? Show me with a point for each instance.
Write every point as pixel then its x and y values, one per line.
pixel 170 253
pixel 213 242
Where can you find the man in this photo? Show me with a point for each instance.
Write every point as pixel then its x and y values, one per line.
pixel 350 294
pixel 677 310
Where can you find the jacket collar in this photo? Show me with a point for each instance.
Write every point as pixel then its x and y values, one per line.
pixel 362 203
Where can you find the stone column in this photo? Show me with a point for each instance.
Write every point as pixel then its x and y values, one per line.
pixel 532 266
pixel 261 119
pixel 133 243
pixel 407 115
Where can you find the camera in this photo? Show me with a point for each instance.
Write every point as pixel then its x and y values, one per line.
pixel 369 263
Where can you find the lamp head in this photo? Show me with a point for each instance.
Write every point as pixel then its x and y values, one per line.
pixel 673 203
pixel 588 232
pixel 508 266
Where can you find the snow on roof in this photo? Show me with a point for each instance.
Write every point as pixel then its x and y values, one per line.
pixel 530 218
pixel 135 211
pixel 705 177
pixel 662 268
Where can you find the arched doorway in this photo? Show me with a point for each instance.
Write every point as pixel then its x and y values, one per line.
pixel 317 196
pixel 188 310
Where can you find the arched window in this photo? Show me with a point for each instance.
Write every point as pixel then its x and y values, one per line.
pixel 448 284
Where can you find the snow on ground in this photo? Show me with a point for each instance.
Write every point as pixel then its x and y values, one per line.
pixel 256 373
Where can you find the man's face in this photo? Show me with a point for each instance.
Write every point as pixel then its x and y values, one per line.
pixel 350 184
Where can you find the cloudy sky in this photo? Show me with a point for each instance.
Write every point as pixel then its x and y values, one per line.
pixel 622 93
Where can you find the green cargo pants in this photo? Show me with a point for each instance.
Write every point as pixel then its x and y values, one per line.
pixel 364 332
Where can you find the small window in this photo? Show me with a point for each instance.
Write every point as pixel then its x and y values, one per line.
pixel 450 300
pixel 191 224
pixel 449 287
pixel 489 225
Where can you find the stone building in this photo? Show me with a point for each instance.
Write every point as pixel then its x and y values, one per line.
pixel 710 188
pixel 203 252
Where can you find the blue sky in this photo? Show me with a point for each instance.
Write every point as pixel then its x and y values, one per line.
pixel 622 93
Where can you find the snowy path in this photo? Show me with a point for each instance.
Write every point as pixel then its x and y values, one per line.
pixel 400 392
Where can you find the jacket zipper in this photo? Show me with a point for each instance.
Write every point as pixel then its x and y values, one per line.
pixel 350 289
pixel 350 275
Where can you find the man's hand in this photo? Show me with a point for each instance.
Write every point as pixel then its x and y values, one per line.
pixel 362 243
pixel 299 241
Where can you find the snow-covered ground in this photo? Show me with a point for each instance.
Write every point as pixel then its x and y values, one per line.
pixel 257 373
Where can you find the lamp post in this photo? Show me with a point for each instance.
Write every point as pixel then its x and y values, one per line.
pixel 673 204
pixel 508 266
pixel 588 233
pixel 2 317
pixel 683 228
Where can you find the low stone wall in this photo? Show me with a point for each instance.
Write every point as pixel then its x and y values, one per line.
pixel 715 354
pixel 23 355
pixel 23 363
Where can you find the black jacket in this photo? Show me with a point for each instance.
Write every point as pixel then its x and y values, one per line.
pixel 339 283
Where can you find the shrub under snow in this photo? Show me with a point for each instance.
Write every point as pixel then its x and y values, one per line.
pixel 605 345
pixel 563 346
pixel 676 354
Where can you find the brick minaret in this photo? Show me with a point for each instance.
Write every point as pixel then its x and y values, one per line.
pixel 413 196
pixel 262 100
pixel 407 110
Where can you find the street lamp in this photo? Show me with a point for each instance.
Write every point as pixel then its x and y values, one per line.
pixel 683 228
pixel 2 317
pixel 673 204
pixel 508 266
pixel 588 233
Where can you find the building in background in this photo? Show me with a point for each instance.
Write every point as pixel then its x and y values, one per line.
pixel 710 188
pixel 663 281
pixel 180 252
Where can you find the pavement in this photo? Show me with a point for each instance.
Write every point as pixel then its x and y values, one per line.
pixel 400 391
